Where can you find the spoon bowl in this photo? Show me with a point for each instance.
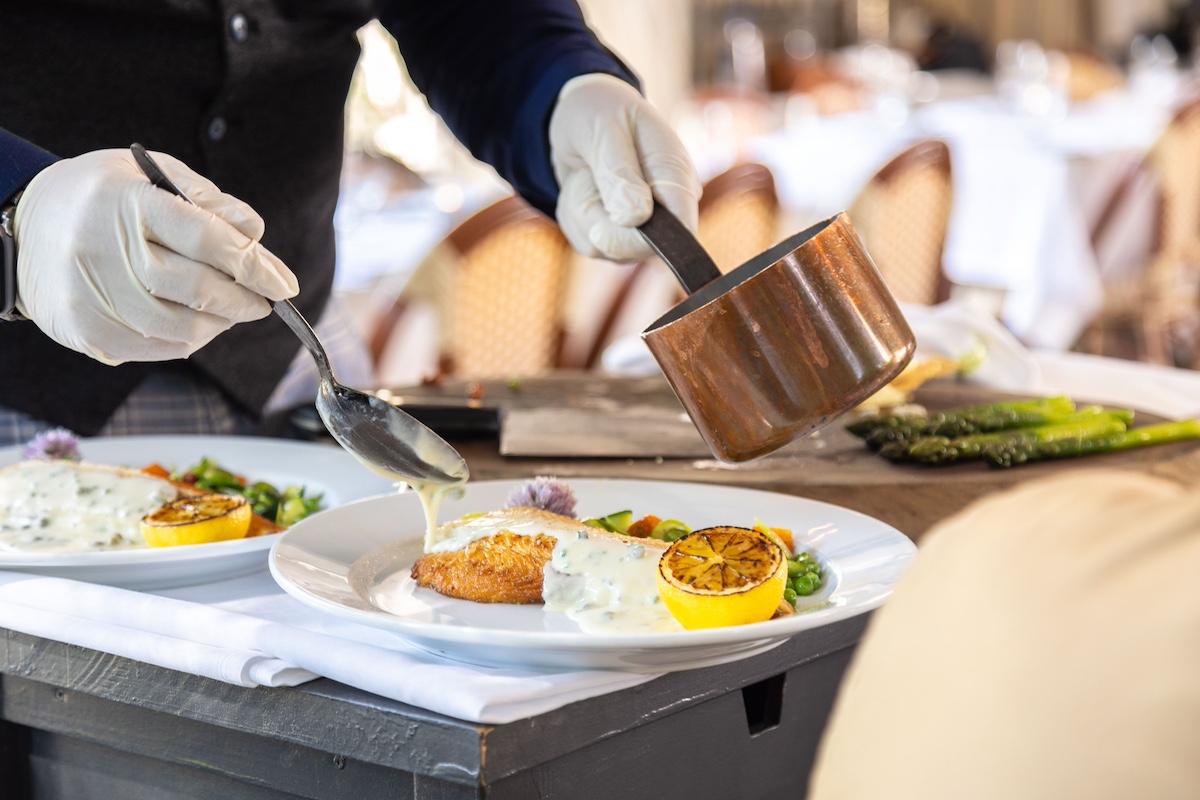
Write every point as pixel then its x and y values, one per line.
pixel 381 436
pixel 386 439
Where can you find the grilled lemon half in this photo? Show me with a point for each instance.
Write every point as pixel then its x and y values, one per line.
pixel 197 520
pixel 717 577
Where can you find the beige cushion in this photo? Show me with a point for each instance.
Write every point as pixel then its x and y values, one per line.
pixel 1045 644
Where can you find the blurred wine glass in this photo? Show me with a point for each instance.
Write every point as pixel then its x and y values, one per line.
pixel 1154 69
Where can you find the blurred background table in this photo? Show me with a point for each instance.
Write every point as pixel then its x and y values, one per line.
pixel 1028 190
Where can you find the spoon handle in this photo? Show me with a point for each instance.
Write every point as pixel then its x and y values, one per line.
pixel 304 332
pixel 284 308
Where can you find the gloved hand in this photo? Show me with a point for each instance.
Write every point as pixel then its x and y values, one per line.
pixel 114 267
pixel 610 150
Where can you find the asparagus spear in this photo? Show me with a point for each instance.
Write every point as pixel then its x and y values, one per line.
pixel 966 422
pixel 863 427
pixel 896 447
pixel 938 450
pixel 1015 453
pixel 971 425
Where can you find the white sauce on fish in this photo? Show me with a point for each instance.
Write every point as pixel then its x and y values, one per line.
pixel 604 583
pixel 62 506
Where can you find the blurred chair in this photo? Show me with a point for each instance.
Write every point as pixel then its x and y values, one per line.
pixel 902 215
pixel 498 289
pixel 739 218
pixel 739 215
pixel 1152 312
pixel 829 90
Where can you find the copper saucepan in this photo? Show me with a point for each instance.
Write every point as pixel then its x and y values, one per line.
pixel 782 345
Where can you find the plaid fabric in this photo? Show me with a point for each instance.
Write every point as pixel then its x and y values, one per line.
pixel 170 402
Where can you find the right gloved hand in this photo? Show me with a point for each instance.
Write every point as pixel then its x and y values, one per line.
pixel 116 268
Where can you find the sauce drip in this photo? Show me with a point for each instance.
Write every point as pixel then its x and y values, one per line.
pixel 429 493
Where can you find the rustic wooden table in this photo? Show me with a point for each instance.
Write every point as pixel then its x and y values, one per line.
pixel 80 724
pixel 75 723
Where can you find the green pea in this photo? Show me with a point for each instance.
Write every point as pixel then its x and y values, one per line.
pixel 806 584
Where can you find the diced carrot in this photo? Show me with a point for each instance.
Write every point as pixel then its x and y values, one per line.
pixel 643 526
pixel 157 471
pixel 786 535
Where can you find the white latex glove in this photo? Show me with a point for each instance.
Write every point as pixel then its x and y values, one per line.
pixel 114 267
pixel 611 150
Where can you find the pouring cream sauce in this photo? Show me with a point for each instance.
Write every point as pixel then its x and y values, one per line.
pixel 62 506
pixel 430 494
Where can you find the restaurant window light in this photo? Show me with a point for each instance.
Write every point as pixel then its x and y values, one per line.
pixel 387 115
pixel 382 75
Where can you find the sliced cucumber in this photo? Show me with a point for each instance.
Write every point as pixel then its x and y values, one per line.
pixel 670 530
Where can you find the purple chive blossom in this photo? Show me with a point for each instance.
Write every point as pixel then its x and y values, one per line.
pixel 546 493
pixel 54 444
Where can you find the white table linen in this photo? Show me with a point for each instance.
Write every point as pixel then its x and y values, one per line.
pixel 1019 219
pixel 247 631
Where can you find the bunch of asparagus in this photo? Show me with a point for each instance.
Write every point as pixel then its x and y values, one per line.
pixel 1012 433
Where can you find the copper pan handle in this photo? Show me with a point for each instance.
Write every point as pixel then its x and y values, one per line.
pixel 679 249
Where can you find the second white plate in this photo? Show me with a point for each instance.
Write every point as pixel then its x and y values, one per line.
pixel 321 469
pixel 313 562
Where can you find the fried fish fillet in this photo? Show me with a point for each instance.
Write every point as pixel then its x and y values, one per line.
pixel 503 568
pixel 505 562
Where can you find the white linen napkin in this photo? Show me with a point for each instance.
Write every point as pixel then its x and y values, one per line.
pixel 247 631
pixel 954 329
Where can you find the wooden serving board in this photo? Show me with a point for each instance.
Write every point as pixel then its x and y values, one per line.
pixel 831 465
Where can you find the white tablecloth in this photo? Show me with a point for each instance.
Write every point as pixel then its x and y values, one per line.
pixel 247 631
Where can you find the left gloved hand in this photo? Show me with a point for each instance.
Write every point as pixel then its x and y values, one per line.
pixel 612 152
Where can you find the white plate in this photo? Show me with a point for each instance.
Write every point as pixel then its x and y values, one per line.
pixel 313 562
pixel 321 469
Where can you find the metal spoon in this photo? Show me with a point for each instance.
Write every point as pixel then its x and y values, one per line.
pixel 380 435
